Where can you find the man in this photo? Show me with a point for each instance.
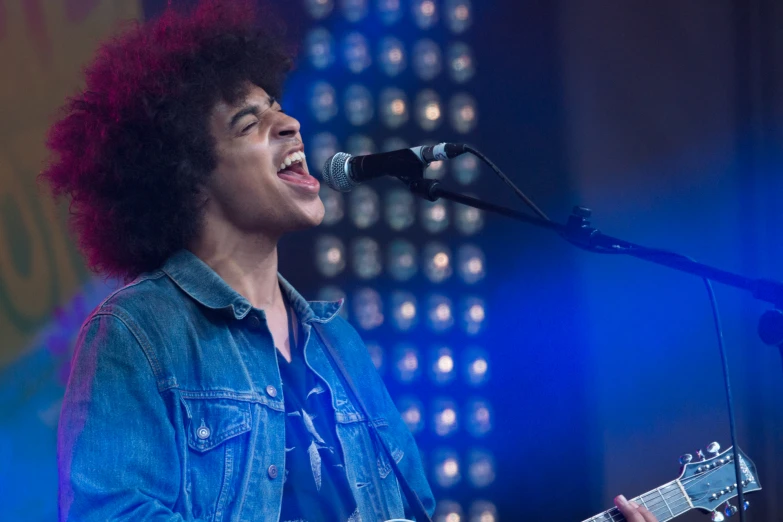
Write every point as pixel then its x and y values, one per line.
pixel 202 390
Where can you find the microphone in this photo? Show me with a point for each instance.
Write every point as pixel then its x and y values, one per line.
pixel 343 172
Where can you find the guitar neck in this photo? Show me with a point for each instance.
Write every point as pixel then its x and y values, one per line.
pixel 665 502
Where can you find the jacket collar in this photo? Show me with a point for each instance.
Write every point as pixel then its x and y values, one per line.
pixel 200 282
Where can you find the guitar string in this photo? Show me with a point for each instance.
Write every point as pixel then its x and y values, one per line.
pixel 655 506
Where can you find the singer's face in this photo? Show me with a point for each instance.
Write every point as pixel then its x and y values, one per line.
pixel 248 190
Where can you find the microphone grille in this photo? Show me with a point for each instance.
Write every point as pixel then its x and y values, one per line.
pixel 335 173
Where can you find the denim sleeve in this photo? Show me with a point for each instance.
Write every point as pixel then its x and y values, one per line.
pixel 117 455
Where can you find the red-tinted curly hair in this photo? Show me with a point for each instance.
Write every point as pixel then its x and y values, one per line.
pixel 134 148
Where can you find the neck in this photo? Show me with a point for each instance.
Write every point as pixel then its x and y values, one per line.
pixel 665 502
pixel 248 264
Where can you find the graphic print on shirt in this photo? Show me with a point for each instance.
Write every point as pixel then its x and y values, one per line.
pixel 317 443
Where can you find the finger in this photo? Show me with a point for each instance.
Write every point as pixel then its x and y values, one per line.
pixel 632 511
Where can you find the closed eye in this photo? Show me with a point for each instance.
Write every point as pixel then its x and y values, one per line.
pixel 247 129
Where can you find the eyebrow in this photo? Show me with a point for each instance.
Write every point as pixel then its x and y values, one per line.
pixel 250 109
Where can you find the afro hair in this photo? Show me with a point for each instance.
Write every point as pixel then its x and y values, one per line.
pixel 133 148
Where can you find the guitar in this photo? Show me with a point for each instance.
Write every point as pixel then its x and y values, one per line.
pixel 707 485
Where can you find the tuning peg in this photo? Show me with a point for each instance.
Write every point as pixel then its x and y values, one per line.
pixel 729 509
pixel 745 505
pixel 684 459
pixel 700 455
pixel 713 448
pixel 717 516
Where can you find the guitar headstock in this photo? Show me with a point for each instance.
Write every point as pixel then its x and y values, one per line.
pixel 711 482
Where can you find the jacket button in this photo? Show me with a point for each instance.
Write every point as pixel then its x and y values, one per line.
pixel 255 322
pixel 202 433
pixel 272 471
pixel 271 390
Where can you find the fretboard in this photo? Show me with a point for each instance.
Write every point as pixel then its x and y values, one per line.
pixel 665 502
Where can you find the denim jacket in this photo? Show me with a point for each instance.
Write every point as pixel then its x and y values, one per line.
pixel 174 407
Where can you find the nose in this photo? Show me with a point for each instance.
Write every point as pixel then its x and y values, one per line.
pixel 287 126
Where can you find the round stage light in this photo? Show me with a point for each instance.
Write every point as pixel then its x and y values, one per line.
pixel 359 105
pixel 442 368
pixel 354 10
pixel 366 258
pixel 481 468
pixel 376 354
pixel 473 315
pixel 334 205
pixel 446 468
pixel 364 206
pixel 440 313
pixel 434 216
pixel 471 264
pixel 394 143
pixel 475 366
pixel 400 209
pixel 425 13
pixel 323 101
pixel 412 413
pixel 461 64
pixel 406 366
pixel 329 255
pixel 368 308
pixel 464 115
pixel 389 11
pixel 404 312
pixel 322 147
pixel 483 511
pixel 392 56
pixel 401 261
pixel 478 417
pixel 444 417
pixel 394 107
pixel 427 59
pixel 468 220
pixel 320 48
pixel 437 262
pixel 428 110
pixel 319 8
pixel 359 145
pixel 458 15
pixel 466 169
pixel 356 52
pixel 448 511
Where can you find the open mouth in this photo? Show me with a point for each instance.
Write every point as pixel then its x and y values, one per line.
pixel 293 170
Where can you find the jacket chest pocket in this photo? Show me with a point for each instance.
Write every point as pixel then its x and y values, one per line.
pixel 216 449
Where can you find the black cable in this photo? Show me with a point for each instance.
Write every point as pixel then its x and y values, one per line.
pixel 508 182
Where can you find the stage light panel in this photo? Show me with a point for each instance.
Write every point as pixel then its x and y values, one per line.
pixel 334 205
pixel 323 101
pixel 463 112
pixel 358 105
pixel 400 209
pixel 391 56
pixel 364 206
pixel 434 216
pixel 459 15
pixel 481 468
pixel 478 417
pixel 440 313
pixel 460 62
pixel 329 255
pixel 319 8
pixel 446 468
pixel 437 261
pixel 389 11
pixel 359 145
pixel 368 308
pixel 425 13
pixel 407 366
pixel 473 315
pixel 393 107
pixel 354 10
pixel 483 511
pixel 466 169
pixel 320 48
pixel 471 264
pixel 475 366
pixel 444 417
pixel 428 110
pixel 321 147
pixel 404 310
pixel 442 367
pixel 366 258
pixel 427 59
pixel 376 354
pixel 356 52
pixel 402 260
pixel 468 220
pixel 412 413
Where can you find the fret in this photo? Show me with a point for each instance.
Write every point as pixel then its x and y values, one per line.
pixel 665 502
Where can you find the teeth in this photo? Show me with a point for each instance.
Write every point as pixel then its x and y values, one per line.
pixel 294 157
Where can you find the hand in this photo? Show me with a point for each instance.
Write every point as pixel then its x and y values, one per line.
pixel 632 511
